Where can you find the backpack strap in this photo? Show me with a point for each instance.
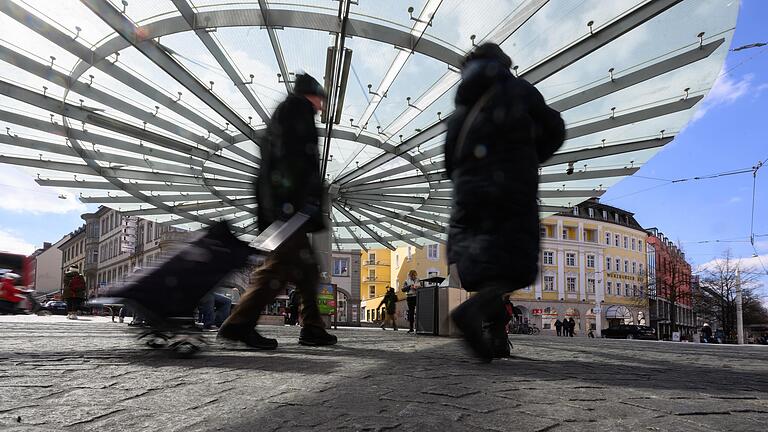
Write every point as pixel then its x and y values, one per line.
pixel 471 117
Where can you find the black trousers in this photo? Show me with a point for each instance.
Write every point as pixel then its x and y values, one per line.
pixel 294 262
pixel 73 304
pixel 411 310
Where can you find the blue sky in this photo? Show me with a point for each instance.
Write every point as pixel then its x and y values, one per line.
pixel 728 133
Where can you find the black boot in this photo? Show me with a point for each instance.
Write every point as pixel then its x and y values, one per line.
pixel 313 335
pixel 252 340
pixel 500 341
pixel 469 317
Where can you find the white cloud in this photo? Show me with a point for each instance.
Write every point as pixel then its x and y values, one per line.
pixel 734 200
pixel 754 263
pixel 725 91
pixel 11 243
pixel 21 194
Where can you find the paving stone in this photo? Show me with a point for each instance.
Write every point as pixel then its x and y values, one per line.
pixel 93 376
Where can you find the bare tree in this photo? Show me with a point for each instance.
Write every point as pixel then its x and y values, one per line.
pixel 716 297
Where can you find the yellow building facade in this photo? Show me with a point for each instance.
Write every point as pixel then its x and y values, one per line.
pixel 592 268
pixel 430 260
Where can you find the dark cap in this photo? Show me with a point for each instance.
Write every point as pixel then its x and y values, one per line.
pixel 488 51
pixel 306 85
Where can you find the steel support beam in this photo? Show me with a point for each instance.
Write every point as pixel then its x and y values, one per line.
pixel 395 223
pixel 632 117
pixel 188 13
pixel 586 175
pixel 404 218
pixel 636 77
pixel 363 226
pixel 610 150
pixel 153 51
pixel 276 48
pixel 351 233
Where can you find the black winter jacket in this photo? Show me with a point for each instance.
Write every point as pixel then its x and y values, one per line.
pixel 494 235
pixel 289 179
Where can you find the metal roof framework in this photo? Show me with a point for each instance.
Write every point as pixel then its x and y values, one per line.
pixel 191 166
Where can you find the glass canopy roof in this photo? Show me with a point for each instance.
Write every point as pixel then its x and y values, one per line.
pixel 156 107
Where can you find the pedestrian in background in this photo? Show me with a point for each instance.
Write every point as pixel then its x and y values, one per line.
pixel 73 291
pixel 496 138
pixel 390 308
pixel 706 333
pixel 571 326
pixel 559 327
pixel 410 286
pixel 293 307
pixel 289 182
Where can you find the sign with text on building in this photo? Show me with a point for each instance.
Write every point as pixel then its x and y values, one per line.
pixel 537 311
pixel 128 235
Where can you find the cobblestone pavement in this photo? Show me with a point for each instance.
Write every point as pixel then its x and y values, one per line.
pixel 91 375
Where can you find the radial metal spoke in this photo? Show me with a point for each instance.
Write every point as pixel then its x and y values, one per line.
pixel 407 228
pixel 363 226
pixel 188 13
pixel 153 51
pixel 585 175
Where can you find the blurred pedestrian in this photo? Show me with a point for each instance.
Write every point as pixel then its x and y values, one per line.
pixel 214 308
pixel 706 333
pixel 496 138
pixel 289 182
pixel 293 307
pixel 571 326
pixel 559 327
pixel 390 308
pixel 410 286
pixel 73 291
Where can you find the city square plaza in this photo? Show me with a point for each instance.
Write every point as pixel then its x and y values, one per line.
pixel 91 375
pixel 156 110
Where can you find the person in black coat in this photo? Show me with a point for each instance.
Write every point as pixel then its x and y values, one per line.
pixel 288 182
pixel 571 327
pixel 559 327
pixel 499 134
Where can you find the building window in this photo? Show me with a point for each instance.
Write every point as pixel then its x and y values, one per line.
pixel 626 242
pixel 640 268
pixel 634 267
pixel 616 240
pixel 608 238
pixel 627 292
pixel 626 266
pixel 549 283
pixel 635 292
pixel 371 258
pixel 616 217
pixel 570 284
pixel 634 243
pixel 618 265
pixel 433 252
pixel 591 286
pixel 542 231
pixel 608 287
pixel 607 263
pixel 549 258
pixel 570 259
pixel 565 233
pixel 371 274
pixel 341 266
pixel 591 212
pixel 605 214
pixel 371 291
pixel 618 288
pixel 575 211
pixel 590 261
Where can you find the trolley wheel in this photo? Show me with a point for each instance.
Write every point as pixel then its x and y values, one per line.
pixel 155 339
pixel 184 349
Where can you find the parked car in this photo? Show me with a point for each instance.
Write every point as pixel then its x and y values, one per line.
pixel 630 331
pixel 54 307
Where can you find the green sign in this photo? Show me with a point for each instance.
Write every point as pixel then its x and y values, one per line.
pixel 326 299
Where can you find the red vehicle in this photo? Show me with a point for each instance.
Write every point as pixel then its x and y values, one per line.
pixel 15 263
pixel 13 295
